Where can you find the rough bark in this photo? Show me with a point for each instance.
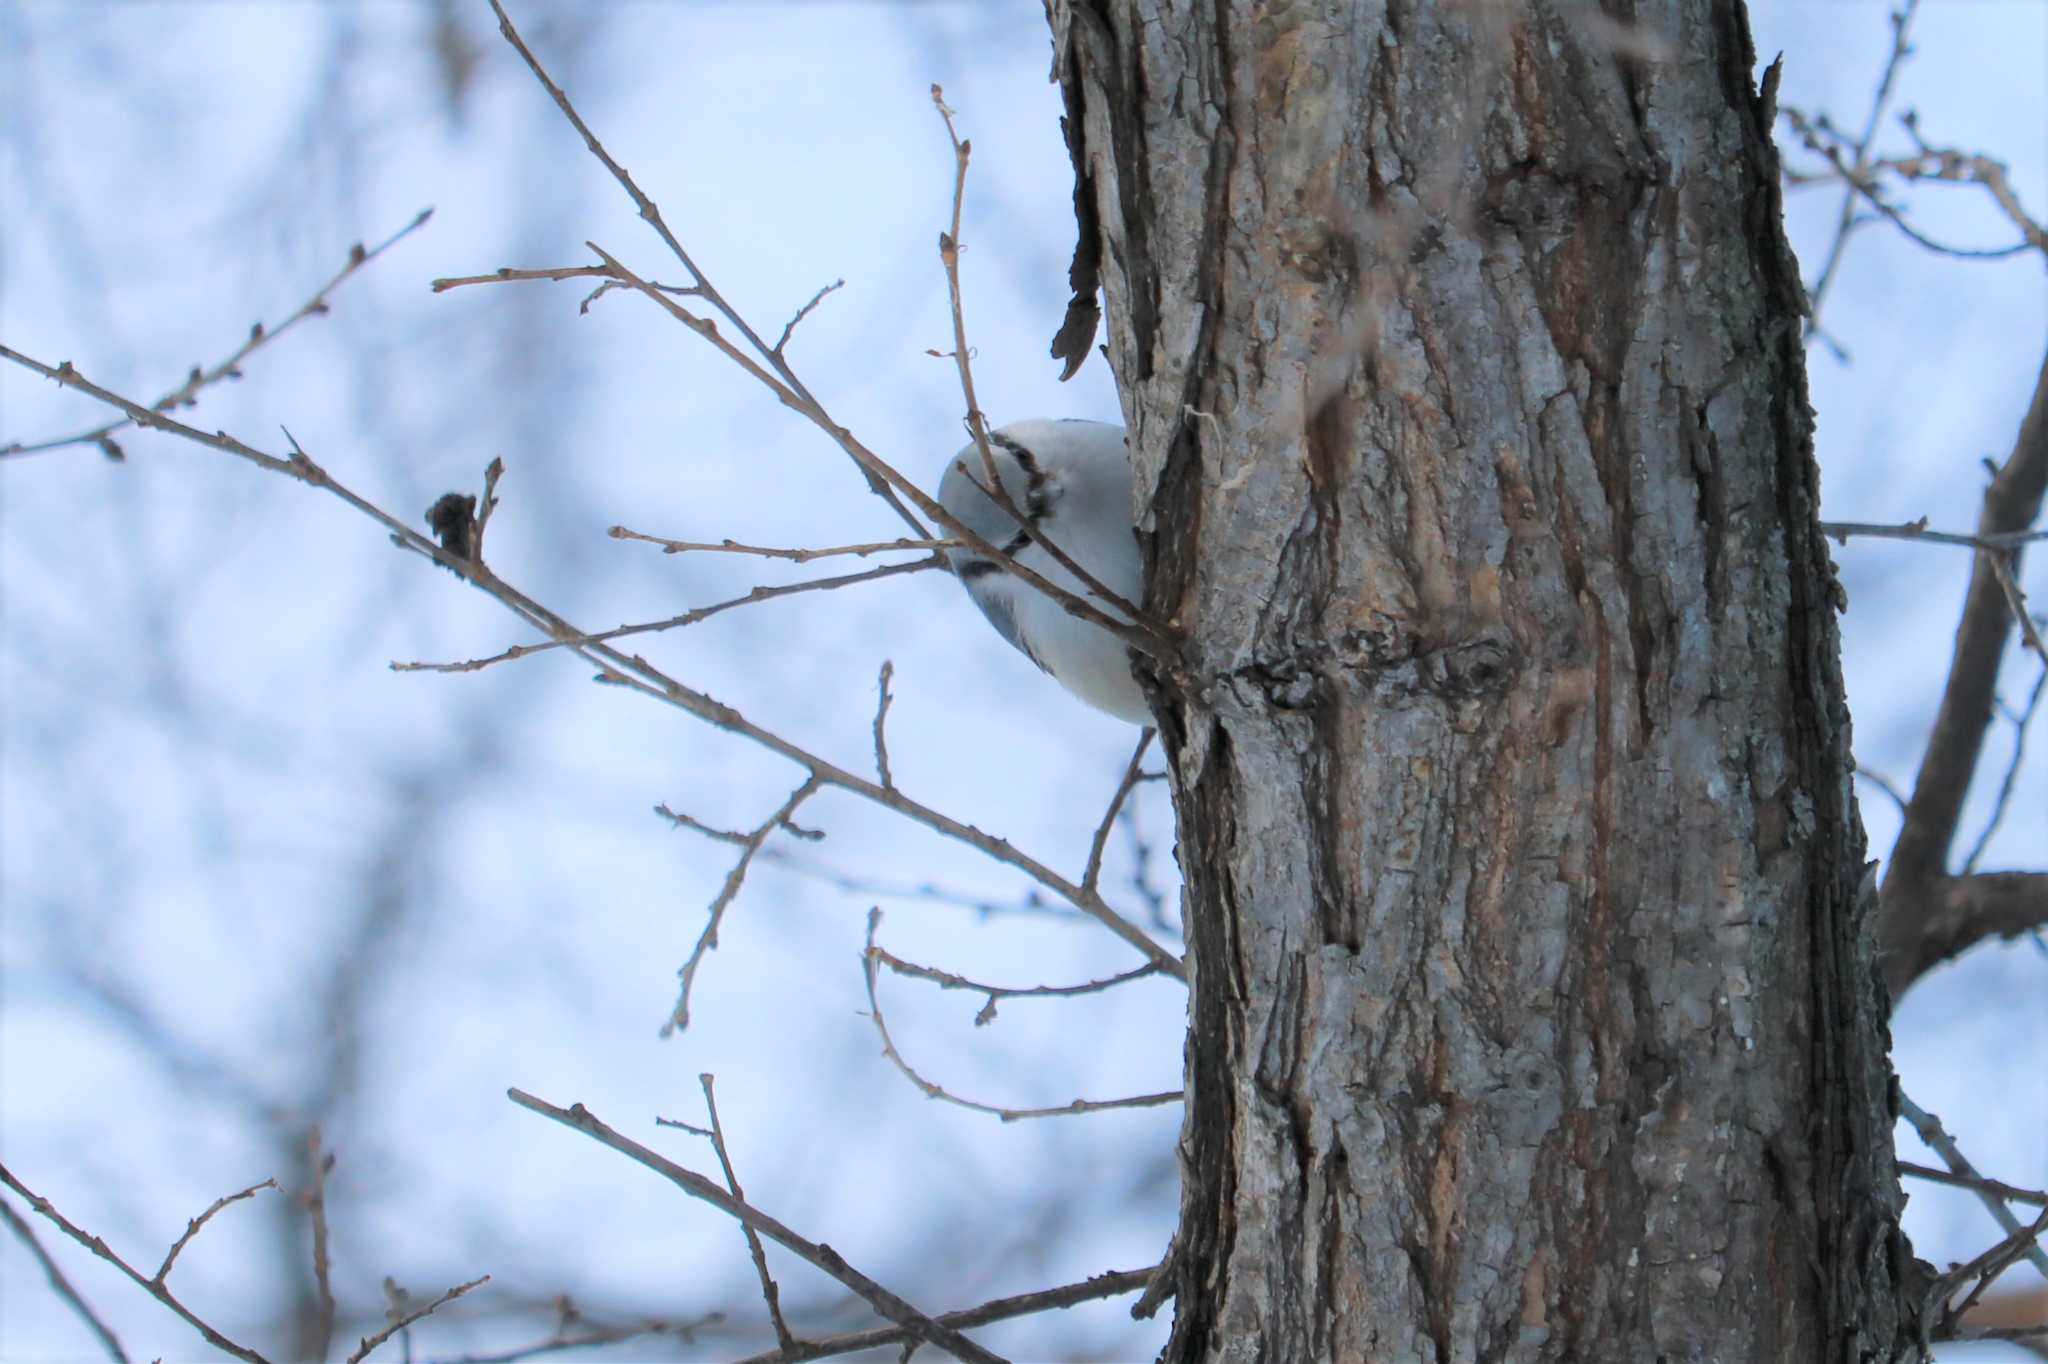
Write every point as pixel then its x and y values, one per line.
pixel 1534 1015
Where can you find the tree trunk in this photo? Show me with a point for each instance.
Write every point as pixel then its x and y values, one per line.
pixel 1534 1015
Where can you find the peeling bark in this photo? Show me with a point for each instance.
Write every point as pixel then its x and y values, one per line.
pixel 1534 1015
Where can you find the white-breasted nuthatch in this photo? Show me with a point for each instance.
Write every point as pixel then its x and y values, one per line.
pixel 1072 482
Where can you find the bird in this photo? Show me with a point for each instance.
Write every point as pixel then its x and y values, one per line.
pixel 1072 481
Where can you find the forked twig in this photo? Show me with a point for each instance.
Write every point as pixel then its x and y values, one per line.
pixel 368 1344
pixel 750 845
pixel 1113 1284
pixel 916 1323
pixel 202 377
pixel 1937 1138
pixel 873 955
pixel 155 1287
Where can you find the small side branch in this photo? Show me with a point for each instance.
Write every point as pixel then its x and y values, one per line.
pixel 60 1285
pixel 398 1323
pixel 1091 875
pixel 799 555
pixel 872 956
pixel 203 377
pixel 193 1226
pixel 155 1287
pixel 915 1323
pixel 1113 1284
pixel 750 846
pixel 1937 1138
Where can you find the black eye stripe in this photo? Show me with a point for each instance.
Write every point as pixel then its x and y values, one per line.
pixel 976 568
pixel 1039 488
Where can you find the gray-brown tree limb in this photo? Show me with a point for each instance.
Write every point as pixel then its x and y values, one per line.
pixel 1534 1012
pixel 1926 915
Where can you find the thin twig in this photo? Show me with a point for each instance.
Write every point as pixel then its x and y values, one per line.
pixel 60 1285
pixel 187 393
pixel 919 1325
pixel 948 980
pixel 156 1288
pixel 589 1337
pixel 2012 771
pixel 883 698
pixel 872 954
pixel 316 1207
pixel 1113 1284
pixel 700 283
pixel 801 556
pixel 192 1227
pixel 769 1291
pixel 1884 784
pixel 1133 770
pixel 2011 1193
pixel 1032 902
pixel 1840 531
pixel 1902 23
pixel 2022 1242
pixel 750 844
pixel 556 272
pixel 765 592
pixel 977 422
pixel 789 328
pixel 1938 1140
pixel 371 1342
pixel 2001 568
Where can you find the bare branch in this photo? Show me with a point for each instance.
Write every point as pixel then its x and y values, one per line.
pixel 2012 772
pixel 1937 1138
pixel 977 422
pixel 316 1208
pixel 916 1323
pixel 156 1288
pixel 2020 1242
pixel 633 671
pixel 790 327
pixel 799 397
pixel 559 272
pixel 1884 784
pixel 872 954
pixel 802 556
pixel 1955 913
pixel 187 393
pixel 948 980
pixel 1841 531
pixel 765 592
pixel 1902 23
pixel 771 1294
pixel 1861 176
pixel 586 1337
pixel 1112 1284
pixel 750 844
pixel 1920 855
pixel 883 698
pixel 60 1285
pixel 399 1323
pixel 1133 770
pixel 2011 1193
pixel 192 1227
